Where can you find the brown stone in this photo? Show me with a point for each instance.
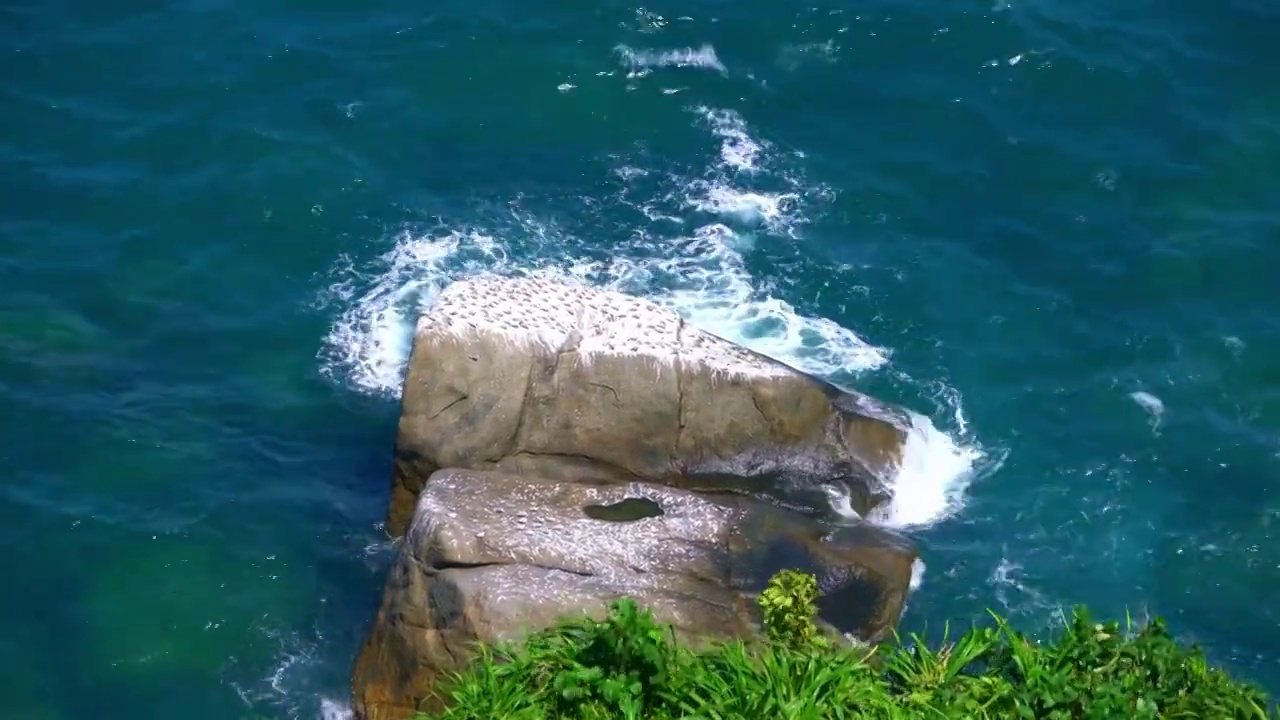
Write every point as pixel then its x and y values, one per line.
pixel 492 556
pixel 568 382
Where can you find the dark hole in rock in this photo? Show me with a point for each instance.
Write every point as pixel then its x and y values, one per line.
pixel 850 604
pixel 628 510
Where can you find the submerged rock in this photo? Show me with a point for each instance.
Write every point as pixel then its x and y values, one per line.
pixel 492 556
pixel 572 382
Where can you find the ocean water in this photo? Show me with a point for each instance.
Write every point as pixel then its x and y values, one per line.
pixel 1049 227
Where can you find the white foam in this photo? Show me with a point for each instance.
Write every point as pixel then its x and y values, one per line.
pixel 738 149
pixel 642 61
pixel 743 157
pixel 842 502
pixel 1004 576
pixel 710 286
pixel 1153 405
pixel 771 209
pixel 335 710
pixel 772 327
pixel 917 574
pixel 369 343
pixel 930 482
pixel 917 579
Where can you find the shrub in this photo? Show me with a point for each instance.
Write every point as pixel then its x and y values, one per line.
pixel 629 667
pixel 788 609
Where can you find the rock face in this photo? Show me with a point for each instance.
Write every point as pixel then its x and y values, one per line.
pixel 491 556
pixel 567 382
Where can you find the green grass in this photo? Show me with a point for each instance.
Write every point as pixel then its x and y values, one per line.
pixel 630 668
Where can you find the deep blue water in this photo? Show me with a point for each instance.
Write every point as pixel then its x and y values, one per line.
pixel 1050 226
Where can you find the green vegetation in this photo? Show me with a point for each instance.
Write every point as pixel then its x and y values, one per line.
pixel 629 667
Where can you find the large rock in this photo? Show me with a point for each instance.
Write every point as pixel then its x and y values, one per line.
pixel 563 381
pixel 492 556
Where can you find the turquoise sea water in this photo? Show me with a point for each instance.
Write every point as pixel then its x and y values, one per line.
pixel 1050 226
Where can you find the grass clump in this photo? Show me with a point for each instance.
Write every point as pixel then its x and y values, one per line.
pixel 628 667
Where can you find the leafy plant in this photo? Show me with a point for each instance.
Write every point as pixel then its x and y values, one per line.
pixel 787 605
pixel 622 662
pixel 628 667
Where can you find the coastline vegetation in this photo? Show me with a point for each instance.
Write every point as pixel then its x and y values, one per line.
pixel 628 667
